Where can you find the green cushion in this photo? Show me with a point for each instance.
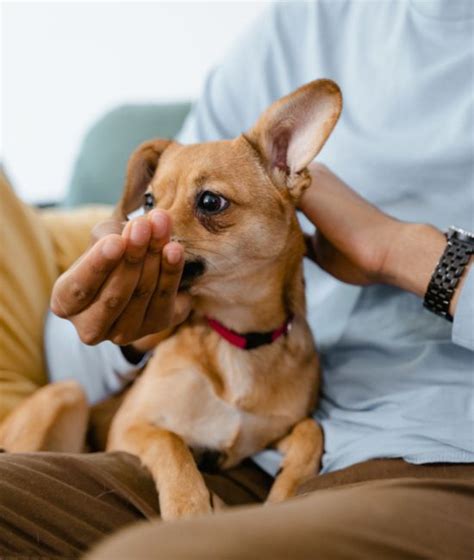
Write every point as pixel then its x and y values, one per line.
pixel 99 171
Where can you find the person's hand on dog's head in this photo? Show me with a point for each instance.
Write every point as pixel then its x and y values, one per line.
pixel 353 238
pixel 125 286
pixel 359 244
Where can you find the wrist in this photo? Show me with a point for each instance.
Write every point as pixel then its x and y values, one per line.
pixel 413 256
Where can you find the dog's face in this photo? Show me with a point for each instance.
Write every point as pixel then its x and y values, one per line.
pixel 225 210
pixel 232 202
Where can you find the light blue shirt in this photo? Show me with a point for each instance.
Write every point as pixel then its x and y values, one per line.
pixel 397 380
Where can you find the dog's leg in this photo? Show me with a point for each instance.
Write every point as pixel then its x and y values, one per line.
pixel 302 450
pixel 54 418
pixel 181 487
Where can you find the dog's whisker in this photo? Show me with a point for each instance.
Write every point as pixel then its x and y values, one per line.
pixel 209 264
pixel 221 241
pixel 207 250
pixel 192 245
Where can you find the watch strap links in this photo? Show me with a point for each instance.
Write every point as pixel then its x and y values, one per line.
pixel 447 274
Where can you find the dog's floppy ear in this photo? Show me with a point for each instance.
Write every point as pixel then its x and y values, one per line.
pixel 140 170
pixel 292 131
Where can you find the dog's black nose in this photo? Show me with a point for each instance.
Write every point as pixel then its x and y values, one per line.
pixel 191 271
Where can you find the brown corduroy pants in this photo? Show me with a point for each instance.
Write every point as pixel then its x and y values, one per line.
pixel 56 505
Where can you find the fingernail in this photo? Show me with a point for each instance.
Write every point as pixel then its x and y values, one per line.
pixel 160 224
pixel 173 254
pixel 112 248
pixel 140 232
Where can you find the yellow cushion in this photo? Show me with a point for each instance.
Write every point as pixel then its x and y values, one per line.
pixel 69 231
pixel 35 248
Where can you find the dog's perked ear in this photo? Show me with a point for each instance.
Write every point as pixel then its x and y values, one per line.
pixel 292 131
pixel 140 170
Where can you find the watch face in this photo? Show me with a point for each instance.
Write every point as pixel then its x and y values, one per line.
pixel 461 234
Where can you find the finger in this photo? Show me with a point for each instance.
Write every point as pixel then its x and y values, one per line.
pixel 323 251
pixel 128 326
pixel 160 229
pixel 137 234
pixel 77 287
pixel 160 309
pixel 95 322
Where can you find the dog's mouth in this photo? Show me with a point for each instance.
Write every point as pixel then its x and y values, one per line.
pixel 192 270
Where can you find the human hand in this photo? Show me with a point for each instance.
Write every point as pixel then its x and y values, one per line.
pixel 359 244
pixel 125 286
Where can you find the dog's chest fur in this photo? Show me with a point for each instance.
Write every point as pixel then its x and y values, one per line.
pixel 221 398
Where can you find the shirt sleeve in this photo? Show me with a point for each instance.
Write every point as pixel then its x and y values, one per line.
pixel 463 325
pixel 102 370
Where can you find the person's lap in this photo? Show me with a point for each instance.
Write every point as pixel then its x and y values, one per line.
pixel 61 505
pixel 384 519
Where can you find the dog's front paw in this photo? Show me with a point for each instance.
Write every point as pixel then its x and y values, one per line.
pixel 179 502
pixel 283 488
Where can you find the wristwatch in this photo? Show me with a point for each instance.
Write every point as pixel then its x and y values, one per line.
pixel 448 271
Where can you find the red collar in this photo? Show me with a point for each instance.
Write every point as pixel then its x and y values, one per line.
pixel 250 340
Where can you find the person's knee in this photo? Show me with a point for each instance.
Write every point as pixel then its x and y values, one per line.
pixel 382 519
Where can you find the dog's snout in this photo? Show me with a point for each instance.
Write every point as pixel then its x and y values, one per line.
pixel 192 270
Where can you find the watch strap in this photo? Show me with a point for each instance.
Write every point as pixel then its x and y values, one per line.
pixel 447 274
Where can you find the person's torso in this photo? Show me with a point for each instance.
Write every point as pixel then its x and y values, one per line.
pixel 394 383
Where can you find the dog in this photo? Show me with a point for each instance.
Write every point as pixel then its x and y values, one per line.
pixel 241 374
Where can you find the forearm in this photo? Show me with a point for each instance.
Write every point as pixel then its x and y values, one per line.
pixel 359 244
pixel 345 218
pixel 413 258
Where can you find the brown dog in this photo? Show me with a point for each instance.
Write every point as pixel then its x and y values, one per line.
pixel 232 205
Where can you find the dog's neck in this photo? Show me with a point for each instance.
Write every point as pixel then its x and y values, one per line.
pixel 259 300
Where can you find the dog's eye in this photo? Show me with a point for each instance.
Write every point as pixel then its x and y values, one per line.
pixel 211 203
pixel 149 201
